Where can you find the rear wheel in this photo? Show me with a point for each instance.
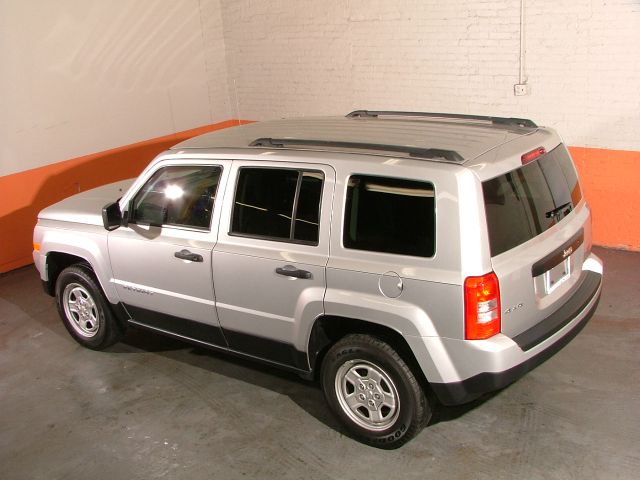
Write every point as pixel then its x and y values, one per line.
pixel 84 310
pixel 373 391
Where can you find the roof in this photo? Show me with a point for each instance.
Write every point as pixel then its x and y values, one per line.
pixel 453 138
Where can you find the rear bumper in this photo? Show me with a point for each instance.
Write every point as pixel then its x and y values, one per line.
pixel 509 359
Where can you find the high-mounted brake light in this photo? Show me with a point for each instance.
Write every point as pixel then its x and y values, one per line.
pixel 532 155
pixel 481 307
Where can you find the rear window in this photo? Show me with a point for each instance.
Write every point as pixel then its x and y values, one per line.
pixel 523 203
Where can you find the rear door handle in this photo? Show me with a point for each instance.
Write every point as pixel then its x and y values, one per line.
pixel 187 255
pixel 291 271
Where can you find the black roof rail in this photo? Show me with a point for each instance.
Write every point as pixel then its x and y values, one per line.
pixel 414 152
pixel 515 122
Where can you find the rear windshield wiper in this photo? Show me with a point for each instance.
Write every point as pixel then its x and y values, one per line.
pixel 559 210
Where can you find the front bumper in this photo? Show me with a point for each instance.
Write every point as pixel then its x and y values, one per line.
pixel 504 360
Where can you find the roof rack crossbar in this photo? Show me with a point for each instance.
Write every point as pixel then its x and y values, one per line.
pixel 415 152
pixel 516 122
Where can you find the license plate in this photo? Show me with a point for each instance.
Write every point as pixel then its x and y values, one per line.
pixel 557 275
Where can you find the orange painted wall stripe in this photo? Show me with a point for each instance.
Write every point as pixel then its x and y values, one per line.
pixel 25 193
pixel 610 180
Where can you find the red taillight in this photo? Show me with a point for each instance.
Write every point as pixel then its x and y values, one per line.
pixel 481 307
pixel 532 155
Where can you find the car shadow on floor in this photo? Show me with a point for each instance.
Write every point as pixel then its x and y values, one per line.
pixel 304 393
pixel 448 413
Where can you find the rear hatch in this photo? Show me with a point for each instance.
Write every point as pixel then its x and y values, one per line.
pixel 540 234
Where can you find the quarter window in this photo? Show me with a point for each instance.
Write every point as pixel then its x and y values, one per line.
pixel 181 196
pixel 390 215
pixel 278 204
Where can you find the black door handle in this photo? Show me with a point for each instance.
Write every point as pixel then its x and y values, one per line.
pixel 291 271
pixel 187 255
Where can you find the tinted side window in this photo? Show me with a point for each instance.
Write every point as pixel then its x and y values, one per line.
pixel 278 204
pixel 390 215
pixel 177 196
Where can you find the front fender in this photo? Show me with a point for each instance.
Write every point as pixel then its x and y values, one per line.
pixel 88 242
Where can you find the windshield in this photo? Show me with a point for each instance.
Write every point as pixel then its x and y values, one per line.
pixel 525 202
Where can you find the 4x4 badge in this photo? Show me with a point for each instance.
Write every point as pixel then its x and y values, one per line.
pixel 512 309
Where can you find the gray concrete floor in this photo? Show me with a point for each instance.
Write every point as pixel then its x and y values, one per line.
pixel 151 407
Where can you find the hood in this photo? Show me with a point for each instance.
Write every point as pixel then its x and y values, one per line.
pixel 86 207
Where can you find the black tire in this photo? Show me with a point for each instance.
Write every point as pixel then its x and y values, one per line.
pixel 84 310
pixel 374 392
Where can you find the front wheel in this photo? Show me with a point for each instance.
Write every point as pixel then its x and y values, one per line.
pixel 84 310
pixel 373 391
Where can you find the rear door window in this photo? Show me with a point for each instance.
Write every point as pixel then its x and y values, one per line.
pixel 278 204
pixel 525 202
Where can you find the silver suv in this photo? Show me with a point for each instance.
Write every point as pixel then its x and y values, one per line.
pixel 401 258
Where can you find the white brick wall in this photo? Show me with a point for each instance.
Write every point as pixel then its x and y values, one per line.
pixel 78 77
pixel 287 58
pixel 215 60
pixel 306 57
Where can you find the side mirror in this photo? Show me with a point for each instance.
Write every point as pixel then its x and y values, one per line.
pixel 111 216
